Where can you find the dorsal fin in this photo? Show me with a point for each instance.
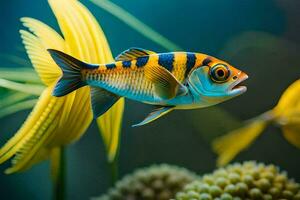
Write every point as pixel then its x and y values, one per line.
pixel 133 53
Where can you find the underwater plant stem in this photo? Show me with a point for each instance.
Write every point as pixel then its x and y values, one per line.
pixel 114 171
pixel 33 89
pixel 13 74
pixel 15 59
pixel 136 24
pixel 16 107
pixel 58 169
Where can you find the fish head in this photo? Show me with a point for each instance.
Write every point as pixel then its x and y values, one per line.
pixel 217 81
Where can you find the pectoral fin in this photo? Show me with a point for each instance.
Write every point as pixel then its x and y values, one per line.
pixel 102 100
pixel 155 115
pixel 166 86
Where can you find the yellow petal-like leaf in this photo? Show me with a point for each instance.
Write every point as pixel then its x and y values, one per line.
pixel 287 113
pixel 31 147
pixel 292 134
pixel 229 145
pixel 37 45
pixel 59 121
pixel 87 42
pixel 20 142
pixel 291 128
pixel 28 145
pixel 288 100
pixel 49 38
pixel 111 129
pixel 79 45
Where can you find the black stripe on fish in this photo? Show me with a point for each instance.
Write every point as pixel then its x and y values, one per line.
pixel 190 62
pixel 206 61
pixel 126 64
pixel 110 66
pixel 142 61
pixel 166 60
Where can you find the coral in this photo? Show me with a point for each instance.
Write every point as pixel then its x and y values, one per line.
pixel 158 182
pixel 247 181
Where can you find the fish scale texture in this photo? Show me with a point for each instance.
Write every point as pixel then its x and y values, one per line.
pixel 121 80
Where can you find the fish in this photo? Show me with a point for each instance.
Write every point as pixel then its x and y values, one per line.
pixel 168 81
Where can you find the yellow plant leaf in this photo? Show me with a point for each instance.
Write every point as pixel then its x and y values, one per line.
pixel 87 42
pixel 40 58
pixel 292 134
pixel 287 113
pixel 229 145
pixel 111 129
pixel 289 100
pixel 44 132
pixel 110 123
pixel 28 143
pixel 48 37
pixel 76 45
pixel 291 128
pixel 31 131
pixel 55 122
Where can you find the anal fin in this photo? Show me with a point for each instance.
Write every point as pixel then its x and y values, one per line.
pixel 102 100
pixel 155 114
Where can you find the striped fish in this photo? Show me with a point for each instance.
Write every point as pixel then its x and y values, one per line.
pixel 175 80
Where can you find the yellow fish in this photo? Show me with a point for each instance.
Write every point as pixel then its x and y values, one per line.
pixel 286 114
pixel 174 80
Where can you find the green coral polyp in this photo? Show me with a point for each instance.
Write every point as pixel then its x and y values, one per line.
pixel 249 180
pixel 158 182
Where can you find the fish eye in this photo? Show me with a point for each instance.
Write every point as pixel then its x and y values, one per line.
pixel 219 73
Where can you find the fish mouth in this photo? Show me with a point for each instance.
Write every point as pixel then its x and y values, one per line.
pixel 236 88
